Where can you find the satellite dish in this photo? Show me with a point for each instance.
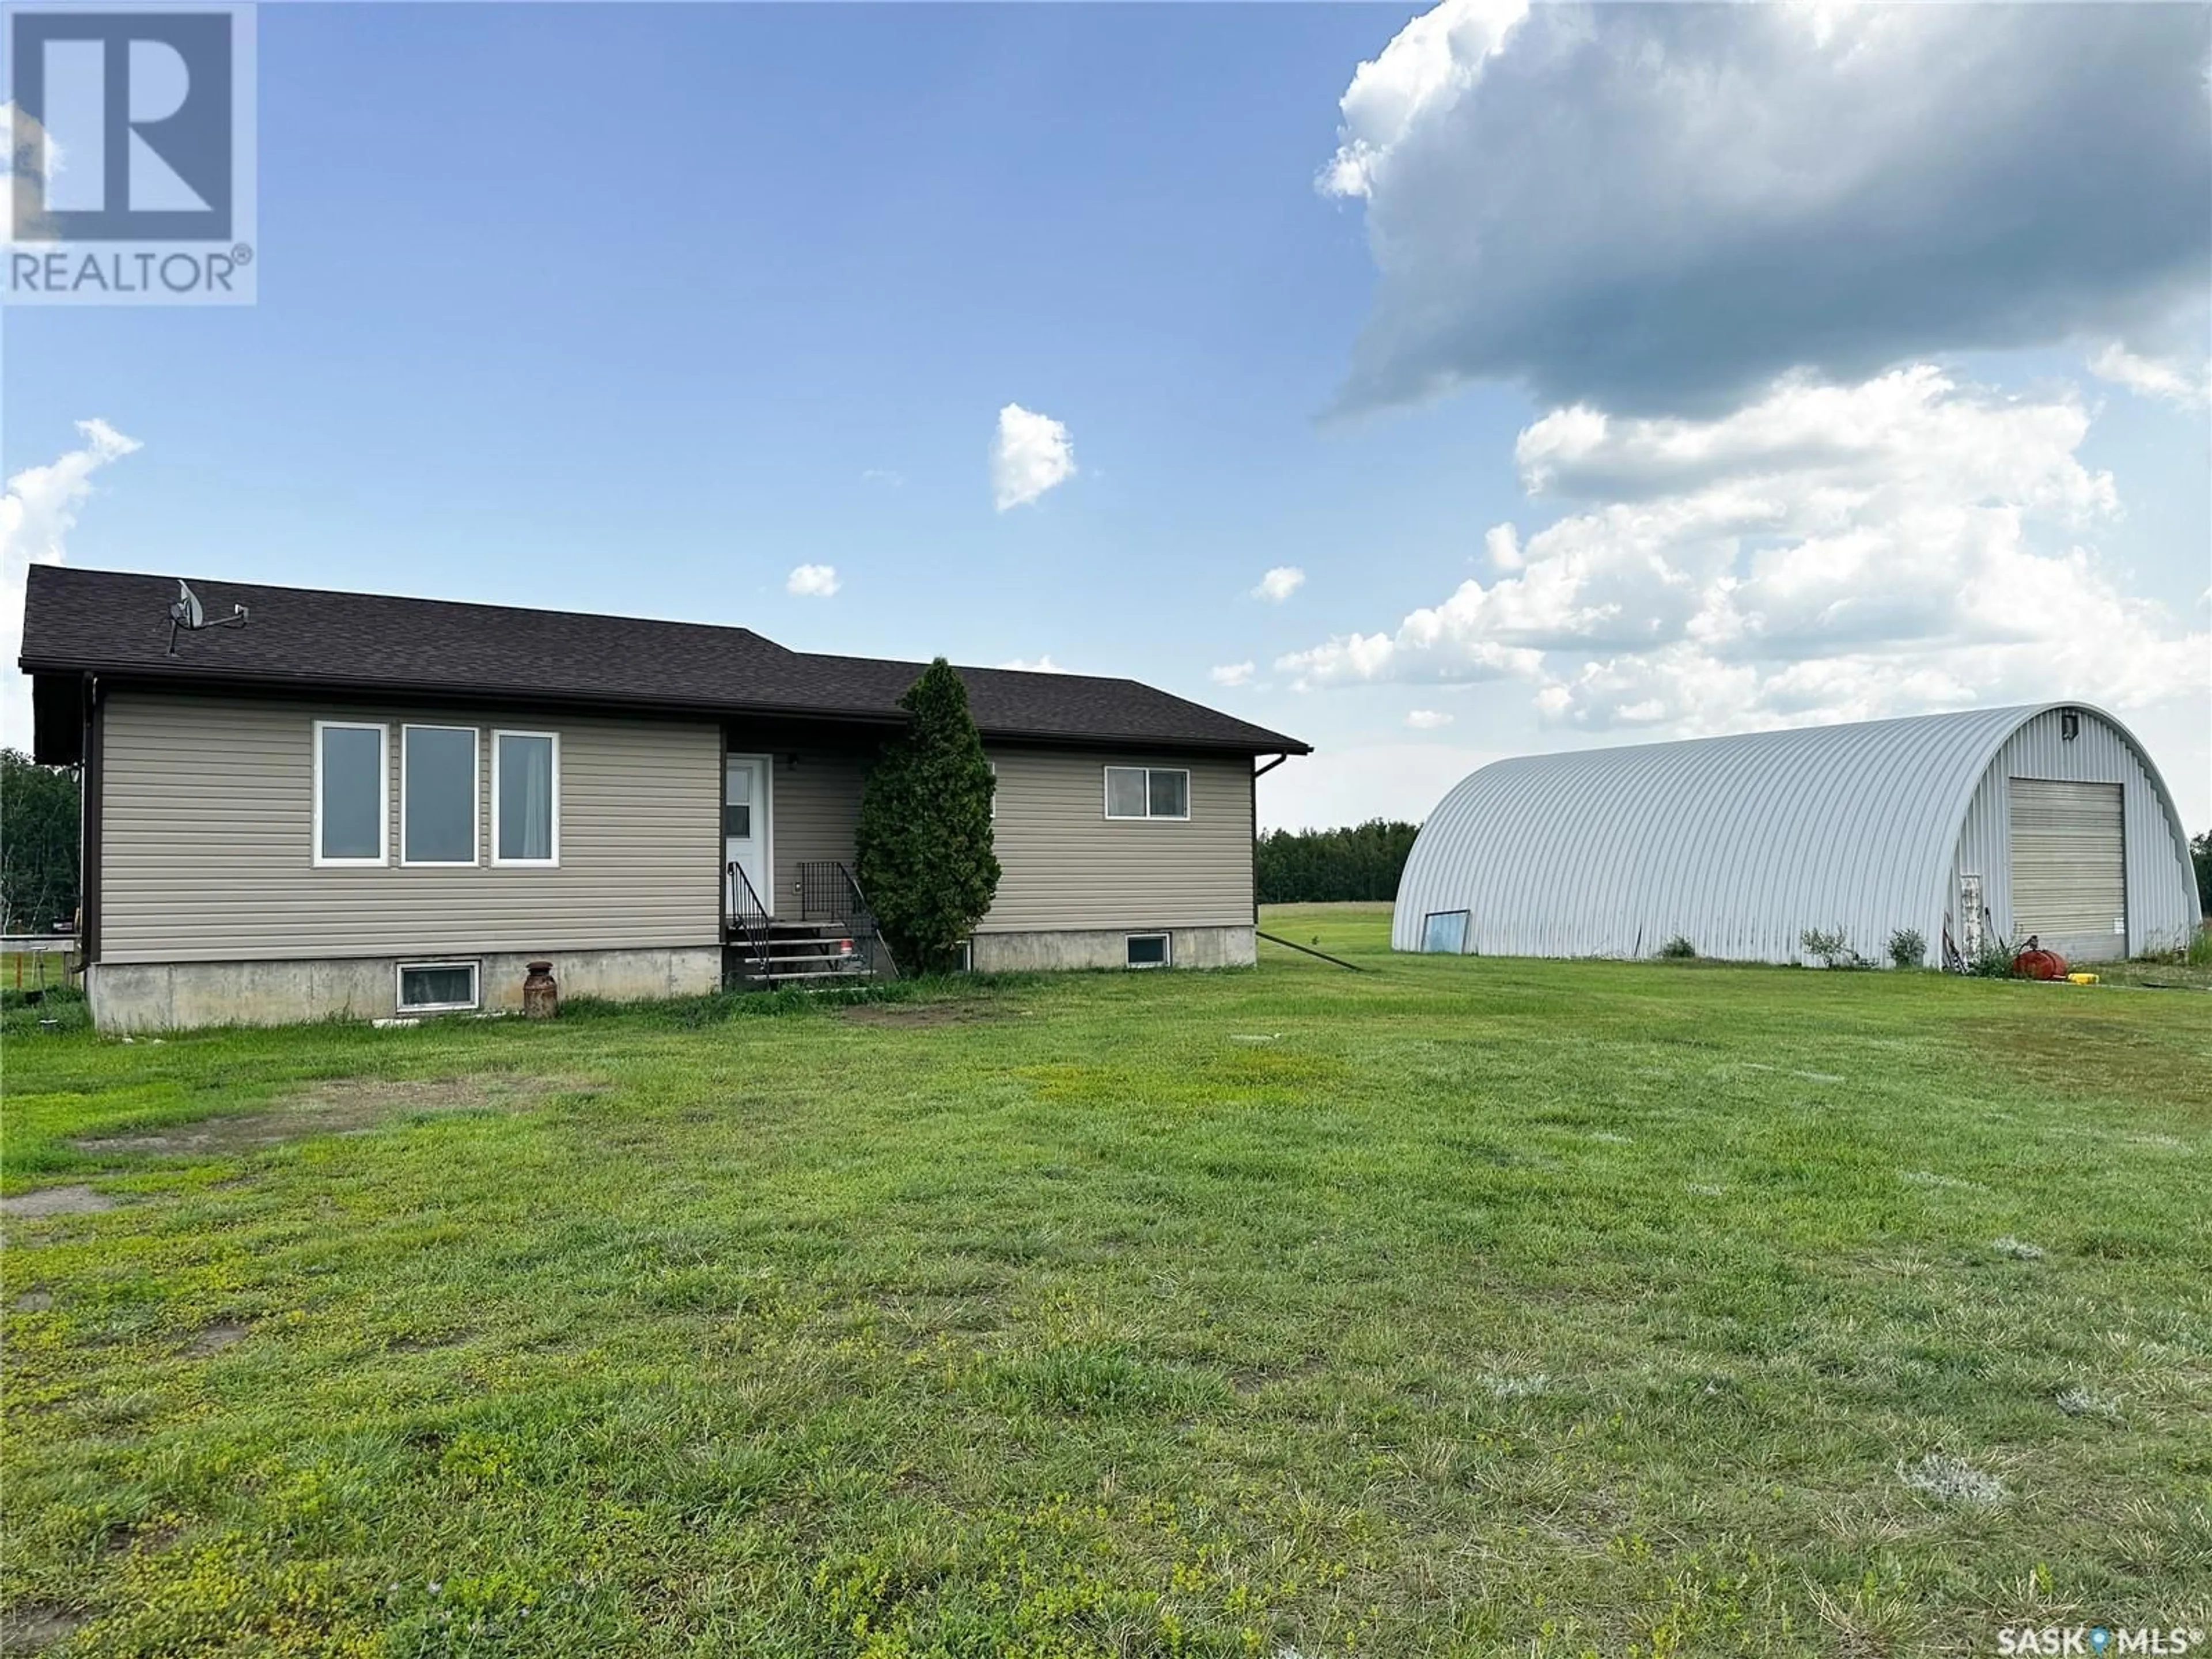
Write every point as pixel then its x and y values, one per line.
pixel 188 615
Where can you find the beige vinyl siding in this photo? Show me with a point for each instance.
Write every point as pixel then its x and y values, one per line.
pixel 816 808
pixel 206 836
pixel 1066 864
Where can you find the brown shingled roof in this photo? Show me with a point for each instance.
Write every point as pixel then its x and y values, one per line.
pixel 116 624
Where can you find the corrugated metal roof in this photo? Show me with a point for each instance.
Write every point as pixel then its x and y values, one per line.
pixel 1738 843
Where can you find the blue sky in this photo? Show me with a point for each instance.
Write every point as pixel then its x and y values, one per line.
pixel 640 309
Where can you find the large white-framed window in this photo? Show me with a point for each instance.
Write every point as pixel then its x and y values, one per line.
pixel 438 987
pixel 525 799
pixel 353 793
pixel 439 784
pixel 1148 792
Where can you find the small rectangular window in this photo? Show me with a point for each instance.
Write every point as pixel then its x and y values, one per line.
pixel 436 988
pixel 352 806
pixel 525 797
pixel 738 819
pixel 1125 792
pixel 1169 794
pixel 438 794
pixel 1147 792
pixel 1444 931
pixel 1147 949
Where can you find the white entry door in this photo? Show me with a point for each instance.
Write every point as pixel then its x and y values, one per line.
pixel 745 826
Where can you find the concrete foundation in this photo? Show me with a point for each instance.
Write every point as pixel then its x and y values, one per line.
pixel 132 996
pixel 1187 947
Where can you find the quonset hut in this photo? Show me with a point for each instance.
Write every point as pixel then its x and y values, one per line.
pixel 1968 829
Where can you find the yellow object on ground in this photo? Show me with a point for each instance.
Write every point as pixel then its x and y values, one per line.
pixel 2082 979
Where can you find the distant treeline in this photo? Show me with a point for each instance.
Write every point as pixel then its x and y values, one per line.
pixel 38 844
pixel 1320 867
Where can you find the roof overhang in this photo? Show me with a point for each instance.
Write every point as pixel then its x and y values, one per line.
pixel 812 714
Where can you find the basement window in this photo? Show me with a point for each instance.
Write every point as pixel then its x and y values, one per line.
pixel 1147 792
pixel 1146 950
pixel 1444 931
pixel 437 987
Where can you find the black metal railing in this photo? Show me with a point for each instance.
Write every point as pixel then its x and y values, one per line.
pixel 864 926
pixel 825 889
pixel 750 917
pixel 828 891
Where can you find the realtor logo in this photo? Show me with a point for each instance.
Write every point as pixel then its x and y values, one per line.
pixel 130 156
pixel 138 107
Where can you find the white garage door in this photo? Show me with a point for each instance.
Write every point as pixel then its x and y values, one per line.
pixel 2069 873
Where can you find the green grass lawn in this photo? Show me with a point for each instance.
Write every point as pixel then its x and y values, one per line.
pixel 1463 1306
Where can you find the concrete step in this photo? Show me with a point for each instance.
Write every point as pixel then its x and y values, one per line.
pixel 781 932
pixel 804 941
pixel 787 972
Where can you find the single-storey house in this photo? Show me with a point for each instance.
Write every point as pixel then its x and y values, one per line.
pixel 364 805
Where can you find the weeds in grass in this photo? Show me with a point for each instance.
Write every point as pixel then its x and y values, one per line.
pixel 1993 960
pixel 1831 950
pixel 2018 1249
pixel 1908 948
pixel 1678 949
pixel 692 1013
pixel 1098 1381
pixel 2180 963
pixel 2195 952
pixel 50 1009
pixel 2078 1401
pixel 1952 1481
pixel 1516 1387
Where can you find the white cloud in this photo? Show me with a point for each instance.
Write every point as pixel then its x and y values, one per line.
pixel 1044 664
pixel 1030 454
pixel 1665 207
pixel 36 516
pixel 2153 377
pixel 1235 673
pixel 1280 583
pixel 1427 719
pixel 26 199
pixel 1418 77
pixel 813 581
pixel 1829 552
pixel 884 476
